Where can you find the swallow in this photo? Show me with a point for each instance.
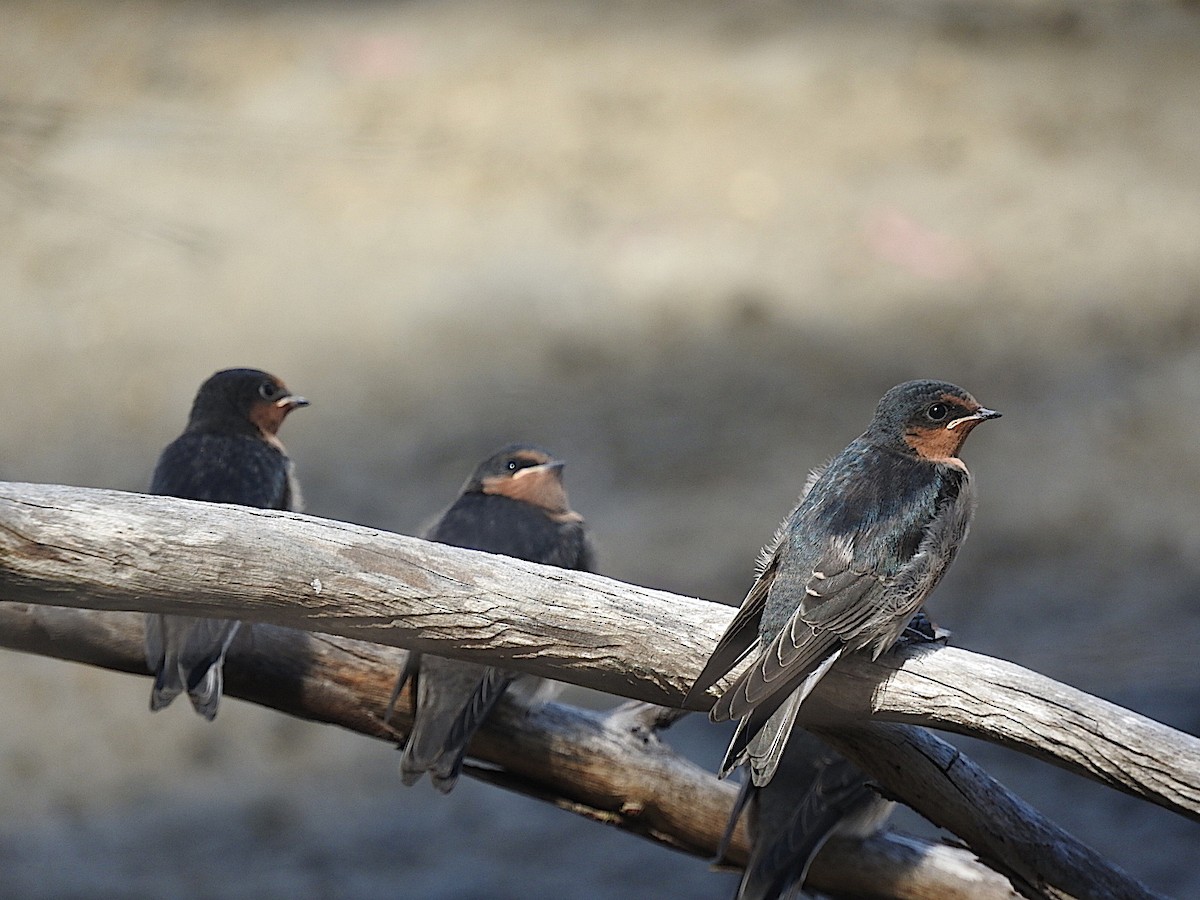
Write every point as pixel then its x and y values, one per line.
pixel 816 793
pixel 513 504
pixel 229 453
pixel 871 536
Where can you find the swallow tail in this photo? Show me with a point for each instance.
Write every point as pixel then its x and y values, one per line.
pixel 488 691
pixel 162 659
pixel 412 666
pixel 762 734
pixel 745 794
pixel 818 794
pixel 206 693
pixel 188 654
pixel 447 714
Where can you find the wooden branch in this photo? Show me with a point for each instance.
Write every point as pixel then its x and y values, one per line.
pixel 120 551
pixel 112 550
pixel 945 786
pixel 980 696
pixel 612 769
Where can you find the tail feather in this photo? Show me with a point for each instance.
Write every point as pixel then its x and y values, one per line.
pixel 816 794
pixel 167 686
pixel 409 672
pixel 188 654
pixel 162 658
pixel 760 738
pixel 444 688
pixel 487 694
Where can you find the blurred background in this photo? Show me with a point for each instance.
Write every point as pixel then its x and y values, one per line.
pixel 686 246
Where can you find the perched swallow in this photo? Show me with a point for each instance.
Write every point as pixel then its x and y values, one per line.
pixel 514 504
pixel 871 536
pixel 816 793
pixel 228 453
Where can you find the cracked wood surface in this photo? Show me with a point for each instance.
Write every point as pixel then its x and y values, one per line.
pixel 111 550
pixel 120 551
pixel 611 768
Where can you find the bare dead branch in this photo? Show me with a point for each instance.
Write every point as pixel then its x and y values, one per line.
pixel 112 550
pixel 944 785
pixel 610 768
pixel 120 551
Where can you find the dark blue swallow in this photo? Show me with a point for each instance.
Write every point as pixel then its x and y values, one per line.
pixel 514 504
pixel 870 538
pixel 816 793
pixel 228 453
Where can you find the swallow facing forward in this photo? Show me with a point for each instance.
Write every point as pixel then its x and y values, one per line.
pixel 228 453
pixel 514 504
pixel 870 538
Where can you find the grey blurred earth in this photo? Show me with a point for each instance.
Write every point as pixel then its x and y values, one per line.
pixel 684 245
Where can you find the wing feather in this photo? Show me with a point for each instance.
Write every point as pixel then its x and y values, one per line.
pixel 741 636
pixel 847 604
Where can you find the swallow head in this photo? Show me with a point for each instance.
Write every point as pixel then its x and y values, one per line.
pixel 524 473
pixel 234 397
pixel 928 418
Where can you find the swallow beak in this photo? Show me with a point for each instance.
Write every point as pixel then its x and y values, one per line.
pixel 290 402
pixel 980 415
pixel 554 468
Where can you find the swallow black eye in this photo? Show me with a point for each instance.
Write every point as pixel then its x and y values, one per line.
pixel 937 412
pixel 512 465
pixel 268 391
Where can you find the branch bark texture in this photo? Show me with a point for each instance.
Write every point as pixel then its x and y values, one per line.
pixel 115 551
pixel 610 768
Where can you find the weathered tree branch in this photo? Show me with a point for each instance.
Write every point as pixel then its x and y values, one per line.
pixel 980 696
pixel 111 550
pixel 610 768
pixel 120 551
pixel 948 788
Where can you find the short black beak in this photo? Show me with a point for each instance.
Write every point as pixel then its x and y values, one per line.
pixel 980 415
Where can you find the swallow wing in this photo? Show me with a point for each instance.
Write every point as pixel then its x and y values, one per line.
pixel 741 636
pixel 850 600
pixel 832 594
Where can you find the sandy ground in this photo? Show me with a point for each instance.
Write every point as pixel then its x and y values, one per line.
pixel 684 245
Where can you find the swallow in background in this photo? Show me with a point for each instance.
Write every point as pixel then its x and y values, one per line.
pixel 228 453
pixel 873 533
pixel 514 504
pixel 816 793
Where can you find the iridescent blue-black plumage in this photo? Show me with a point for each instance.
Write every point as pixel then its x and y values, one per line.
pixel 498 524
pixel 228 453
pixel 513 504
pixel 224 468
pixel 816 793
pixel 871 536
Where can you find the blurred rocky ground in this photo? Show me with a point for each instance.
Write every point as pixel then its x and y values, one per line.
pixel 684 245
